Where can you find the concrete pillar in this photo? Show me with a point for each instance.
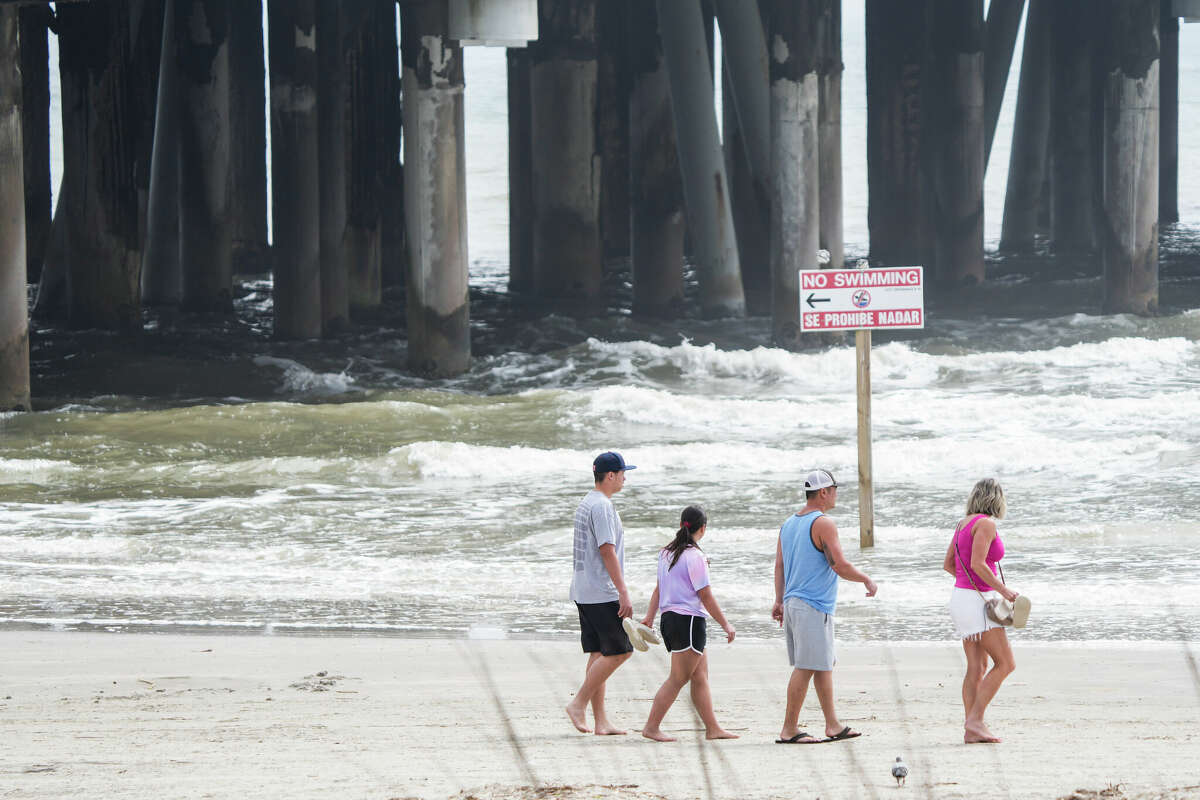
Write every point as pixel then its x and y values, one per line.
pixel 390 197
pixel 795 197
pixel 656 216
pixel 1074 120
pixel 520 173
pixel 295 176
pixel 1130 65
pixel 331 147
pixel 101 119
pixel 955 155
pixel 701 161
pixel 612 127
pixel 567 247
pixel 35 133
pixel 751 204
pixel 439 341
pixel 162 273
pixel 829 128
pixel 14 320
pixel 897 37
pixel 747 140
pixel 1003 25
pixel 366 23
pixel 248 138
pixel 1025 194
pixel 205 221
pixel 1168 138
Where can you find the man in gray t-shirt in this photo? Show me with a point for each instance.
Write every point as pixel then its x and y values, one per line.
pixel 598 590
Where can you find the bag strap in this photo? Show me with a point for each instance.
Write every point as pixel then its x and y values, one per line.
pixel 965 567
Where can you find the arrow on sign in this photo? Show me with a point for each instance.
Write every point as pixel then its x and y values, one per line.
pixel 813 300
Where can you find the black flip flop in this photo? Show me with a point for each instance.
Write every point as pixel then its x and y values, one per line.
pixel 796 739
pixel 845 733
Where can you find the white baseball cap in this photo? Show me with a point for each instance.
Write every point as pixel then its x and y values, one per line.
pixel 819 479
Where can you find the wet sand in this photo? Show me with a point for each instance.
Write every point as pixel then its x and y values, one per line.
pixel 170 716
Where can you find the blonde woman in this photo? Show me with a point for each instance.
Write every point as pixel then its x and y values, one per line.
pixel 972 558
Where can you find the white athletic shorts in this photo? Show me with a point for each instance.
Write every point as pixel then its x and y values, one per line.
pixel 809 636
pixel 967 612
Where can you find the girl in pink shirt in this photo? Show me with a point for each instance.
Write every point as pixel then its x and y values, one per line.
pixel 684 595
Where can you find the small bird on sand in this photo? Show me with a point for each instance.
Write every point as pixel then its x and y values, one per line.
pixel 899 771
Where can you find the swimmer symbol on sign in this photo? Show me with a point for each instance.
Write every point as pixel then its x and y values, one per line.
pixel 861 298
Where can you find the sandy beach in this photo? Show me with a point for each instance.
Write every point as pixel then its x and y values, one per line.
pixel 171 716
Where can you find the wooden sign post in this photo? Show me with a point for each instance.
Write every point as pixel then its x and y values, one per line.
pixel 861 300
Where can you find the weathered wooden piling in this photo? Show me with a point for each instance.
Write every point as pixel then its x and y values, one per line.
pixel 370 29
pixel 331 149
pixel 1130 65
pixel 751 206
pixel 612 127
pixel 746 110
pixel 795 197
pixel 897 36
pixel 248 139
pixel 390 192
pixel 14 324
pixel 1076 116
pixel 1003 26
pixel 656 194
pixel 35 133
pixel 954 157
pixel 1025 195
pixel 701 161
pixel 439 342
pixel 520 173
pixel 295 178
pixel 99 204
pixel 567 247
pixel 162 272
pixel 205 221
pixel 1168 130
pixel 829 129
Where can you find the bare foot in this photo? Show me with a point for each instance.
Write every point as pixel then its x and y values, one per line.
pixel 578 719
pixel 720 733
pixel 657 735
pixel 978 733
pixel 607 729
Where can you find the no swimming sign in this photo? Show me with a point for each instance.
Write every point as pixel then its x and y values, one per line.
pixel 857 299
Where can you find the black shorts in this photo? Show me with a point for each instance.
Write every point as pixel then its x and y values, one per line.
pixel 683 632
pixel 600 629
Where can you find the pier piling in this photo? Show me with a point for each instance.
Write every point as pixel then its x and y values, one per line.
pixel 829 129
pixel 248 139
pixel 331 148
pixel 656 195
pixel 371 30
pixel 1025 196
pixel 897 38
pixel 295 176
pixel 520 173
pixel 701 160
pixel 954 155
pixel 1168 130
pixel 162 275
pixel 439 342
pixel 567 169
pixel 1076 119
pixel 795 197
pixel 14 325
pixel 35 133
pixel 1130 65
pixel 205 221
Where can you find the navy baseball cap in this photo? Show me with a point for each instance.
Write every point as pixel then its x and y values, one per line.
pixel 610 462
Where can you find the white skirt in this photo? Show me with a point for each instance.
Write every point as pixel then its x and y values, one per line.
pixel 968 613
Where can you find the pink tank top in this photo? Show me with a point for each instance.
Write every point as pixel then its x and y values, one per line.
pixel 963 537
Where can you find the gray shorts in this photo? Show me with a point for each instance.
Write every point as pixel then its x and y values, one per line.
pixel 809 636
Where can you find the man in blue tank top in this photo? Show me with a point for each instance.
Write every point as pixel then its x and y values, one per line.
pixel 808 562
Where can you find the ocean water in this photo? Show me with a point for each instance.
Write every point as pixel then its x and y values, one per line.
pixel 321 489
